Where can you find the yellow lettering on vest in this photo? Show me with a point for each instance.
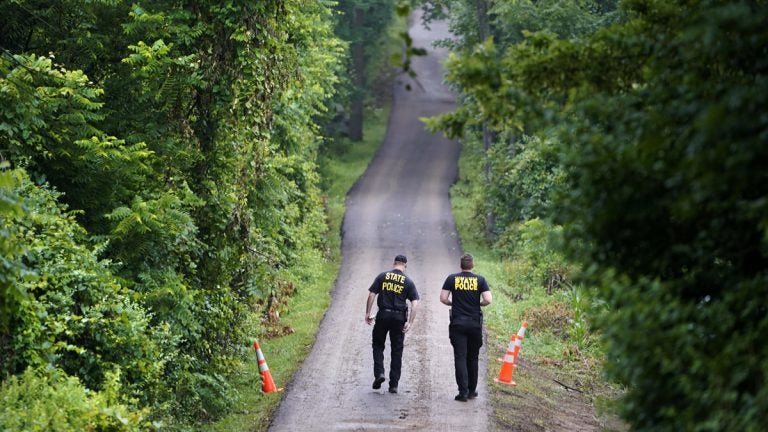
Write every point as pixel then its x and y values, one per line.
pixel 465 283
pixel 389 286
pixel 395 277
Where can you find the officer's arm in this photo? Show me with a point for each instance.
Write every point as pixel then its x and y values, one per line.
pixel 411 316
pixel 445 297
pixel 486 298
pixel 368 307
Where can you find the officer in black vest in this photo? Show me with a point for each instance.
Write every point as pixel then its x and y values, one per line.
pixel 393 289
pixel 466 292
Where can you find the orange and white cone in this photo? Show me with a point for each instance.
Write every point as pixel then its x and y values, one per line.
pixel 510 358
pixel 519 339
pixel 267 383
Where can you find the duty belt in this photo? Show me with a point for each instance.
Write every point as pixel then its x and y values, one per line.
pixel 392 310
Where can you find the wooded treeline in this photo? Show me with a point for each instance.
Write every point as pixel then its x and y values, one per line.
pixel 633 136
pixel 159 190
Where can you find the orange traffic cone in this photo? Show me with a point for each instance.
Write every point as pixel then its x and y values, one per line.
pixel 508 365
pixel 510 358
pixel 267 383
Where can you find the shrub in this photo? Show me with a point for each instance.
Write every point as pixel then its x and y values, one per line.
pixel 535 242
pixel 74 314
pixel 51 401
pixel 524 176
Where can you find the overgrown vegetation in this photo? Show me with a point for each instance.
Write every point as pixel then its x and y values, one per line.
pixel 532 281
pixel 161 200
pixel 652 111
pixel 40 401
pixel 161 190
pixel 303 311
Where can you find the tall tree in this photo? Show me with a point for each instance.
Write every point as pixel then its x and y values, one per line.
pixel 490 27
pixel 363 24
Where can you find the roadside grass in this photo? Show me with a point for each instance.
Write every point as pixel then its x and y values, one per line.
pixel 555 352
pixel 313 277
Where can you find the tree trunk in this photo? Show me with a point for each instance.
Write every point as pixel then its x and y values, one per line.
pixel 484 30
pixel 357 98
pixel 490 217
pixel 481 8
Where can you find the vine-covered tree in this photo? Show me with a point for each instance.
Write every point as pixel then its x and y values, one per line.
pixel 363 24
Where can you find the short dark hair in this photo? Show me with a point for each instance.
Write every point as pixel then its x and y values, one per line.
pixel 401 258
pixel 467 262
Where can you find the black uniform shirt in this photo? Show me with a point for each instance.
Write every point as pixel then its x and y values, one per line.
pixel 466 289
pixel 393 288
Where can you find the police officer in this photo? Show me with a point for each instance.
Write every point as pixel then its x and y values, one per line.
pixel 393 289
pixel 466 292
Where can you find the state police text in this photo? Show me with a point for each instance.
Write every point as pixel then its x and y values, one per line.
pixel 396 285
pixel 465 283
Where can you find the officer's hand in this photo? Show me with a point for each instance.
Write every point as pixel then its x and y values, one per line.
pixel 406 327
pixel 368 319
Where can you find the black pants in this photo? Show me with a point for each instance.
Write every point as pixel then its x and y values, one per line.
pixel 466 338
pixel 392 323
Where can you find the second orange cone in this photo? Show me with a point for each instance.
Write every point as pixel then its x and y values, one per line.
pixel 267 383
pixel 510 358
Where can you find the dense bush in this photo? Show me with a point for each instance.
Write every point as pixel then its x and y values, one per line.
pixel 72 313
pixel 11 249
pixel 523 177
pixel 51 401
pixel 539 245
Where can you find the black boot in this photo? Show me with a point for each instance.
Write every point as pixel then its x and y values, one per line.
pixel 377 382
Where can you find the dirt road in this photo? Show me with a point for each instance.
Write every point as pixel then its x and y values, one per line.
pixel 400 205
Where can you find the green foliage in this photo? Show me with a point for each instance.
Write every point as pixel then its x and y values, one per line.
pixel 11 249
pixel 583 306
pixel 462 17
pixel 49 124
pixel 311 276
pixel 525 174
pixel 73 313
pixel 183 136
pixel 538 244
pixel 49 400
pixel 566 19
pixel 509 21
pixel 681 213
pixel 363 25
pixel 519 193
pixel 371 33
pixel 662 137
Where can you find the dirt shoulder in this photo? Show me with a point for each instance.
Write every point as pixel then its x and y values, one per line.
pixel 549 397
